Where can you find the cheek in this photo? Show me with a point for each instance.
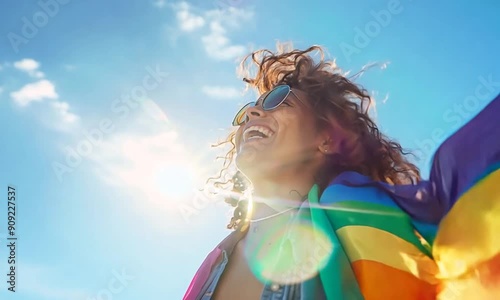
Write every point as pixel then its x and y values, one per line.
pixel 298 130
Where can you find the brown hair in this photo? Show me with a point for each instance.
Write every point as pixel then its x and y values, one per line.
pixel 340 105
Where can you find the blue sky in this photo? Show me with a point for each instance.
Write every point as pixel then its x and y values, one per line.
pixel 108 110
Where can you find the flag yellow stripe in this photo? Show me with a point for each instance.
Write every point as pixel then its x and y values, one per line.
pixel 369 243
pixel 470 232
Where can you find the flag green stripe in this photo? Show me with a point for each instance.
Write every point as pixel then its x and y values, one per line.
pixel 390 219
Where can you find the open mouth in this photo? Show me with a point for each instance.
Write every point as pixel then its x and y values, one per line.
pixel 257 132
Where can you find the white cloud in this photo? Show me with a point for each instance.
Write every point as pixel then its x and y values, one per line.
pixel 148 160
pixel 186 20
pixel 1 90
pixel 221 92
pixel 216 42
pixel 57 116
pixel 29 66
pixel 218 46
pixel 232 17
pixel 37 91
pixel 53 114
pixel 62 109
pixel 154 167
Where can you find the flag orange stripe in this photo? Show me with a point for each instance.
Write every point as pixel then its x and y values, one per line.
pixel 372 244
pixel 482 282
pixel 378 281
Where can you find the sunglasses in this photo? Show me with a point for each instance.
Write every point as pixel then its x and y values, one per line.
pixel 270 101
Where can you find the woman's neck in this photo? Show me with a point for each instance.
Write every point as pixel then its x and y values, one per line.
pixel 283 189
pixel 270 197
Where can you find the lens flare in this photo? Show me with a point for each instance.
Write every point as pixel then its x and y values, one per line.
pixel 289 255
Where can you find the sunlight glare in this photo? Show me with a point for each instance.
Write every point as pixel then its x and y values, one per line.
pixel 175 181
pixel 290 256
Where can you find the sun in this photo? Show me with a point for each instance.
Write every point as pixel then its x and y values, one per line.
pixel 176 181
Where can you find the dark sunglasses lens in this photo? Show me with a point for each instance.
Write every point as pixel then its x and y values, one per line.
pixel 275 97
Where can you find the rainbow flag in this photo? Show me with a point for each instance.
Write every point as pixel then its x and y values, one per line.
pixel 439 239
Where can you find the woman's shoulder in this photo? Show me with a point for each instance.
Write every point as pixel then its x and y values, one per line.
pixel 212 259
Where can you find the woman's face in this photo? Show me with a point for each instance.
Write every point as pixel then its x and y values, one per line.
pixel 278 140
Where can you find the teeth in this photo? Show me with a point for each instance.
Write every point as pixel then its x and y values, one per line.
pixel 254 137
pixel 266 132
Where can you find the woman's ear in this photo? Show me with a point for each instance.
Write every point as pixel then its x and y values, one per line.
pixel 341 142
pixel 343 146
pixel 326 146
pixel 332 137
pixel 328 142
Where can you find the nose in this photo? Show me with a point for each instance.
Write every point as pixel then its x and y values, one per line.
pixel 255 112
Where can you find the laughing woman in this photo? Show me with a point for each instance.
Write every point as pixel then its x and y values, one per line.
pixel 333 209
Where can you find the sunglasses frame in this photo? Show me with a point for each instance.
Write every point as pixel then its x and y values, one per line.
pixel 263 97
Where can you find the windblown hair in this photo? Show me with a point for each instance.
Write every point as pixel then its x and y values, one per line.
pixel 340 106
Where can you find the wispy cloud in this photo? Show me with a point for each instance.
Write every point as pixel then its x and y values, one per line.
pixel 29 66
pixel 218 46
pixel 148 159
pixel 221 92
pixel 385 98
pixel 42 91
pixel 69 67
pixel 160 3
pixel 231 17
pixel 1 90
pixel 186 20
pixel 156 168
pixel 62 108
pixel 216 41
pixel 36 91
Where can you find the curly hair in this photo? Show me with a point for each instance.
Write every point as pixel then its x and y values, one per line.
pixel 340 106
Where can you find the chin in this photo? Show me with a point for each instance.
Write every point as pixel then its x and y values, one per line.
pixel 246 164
pixel 253 167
